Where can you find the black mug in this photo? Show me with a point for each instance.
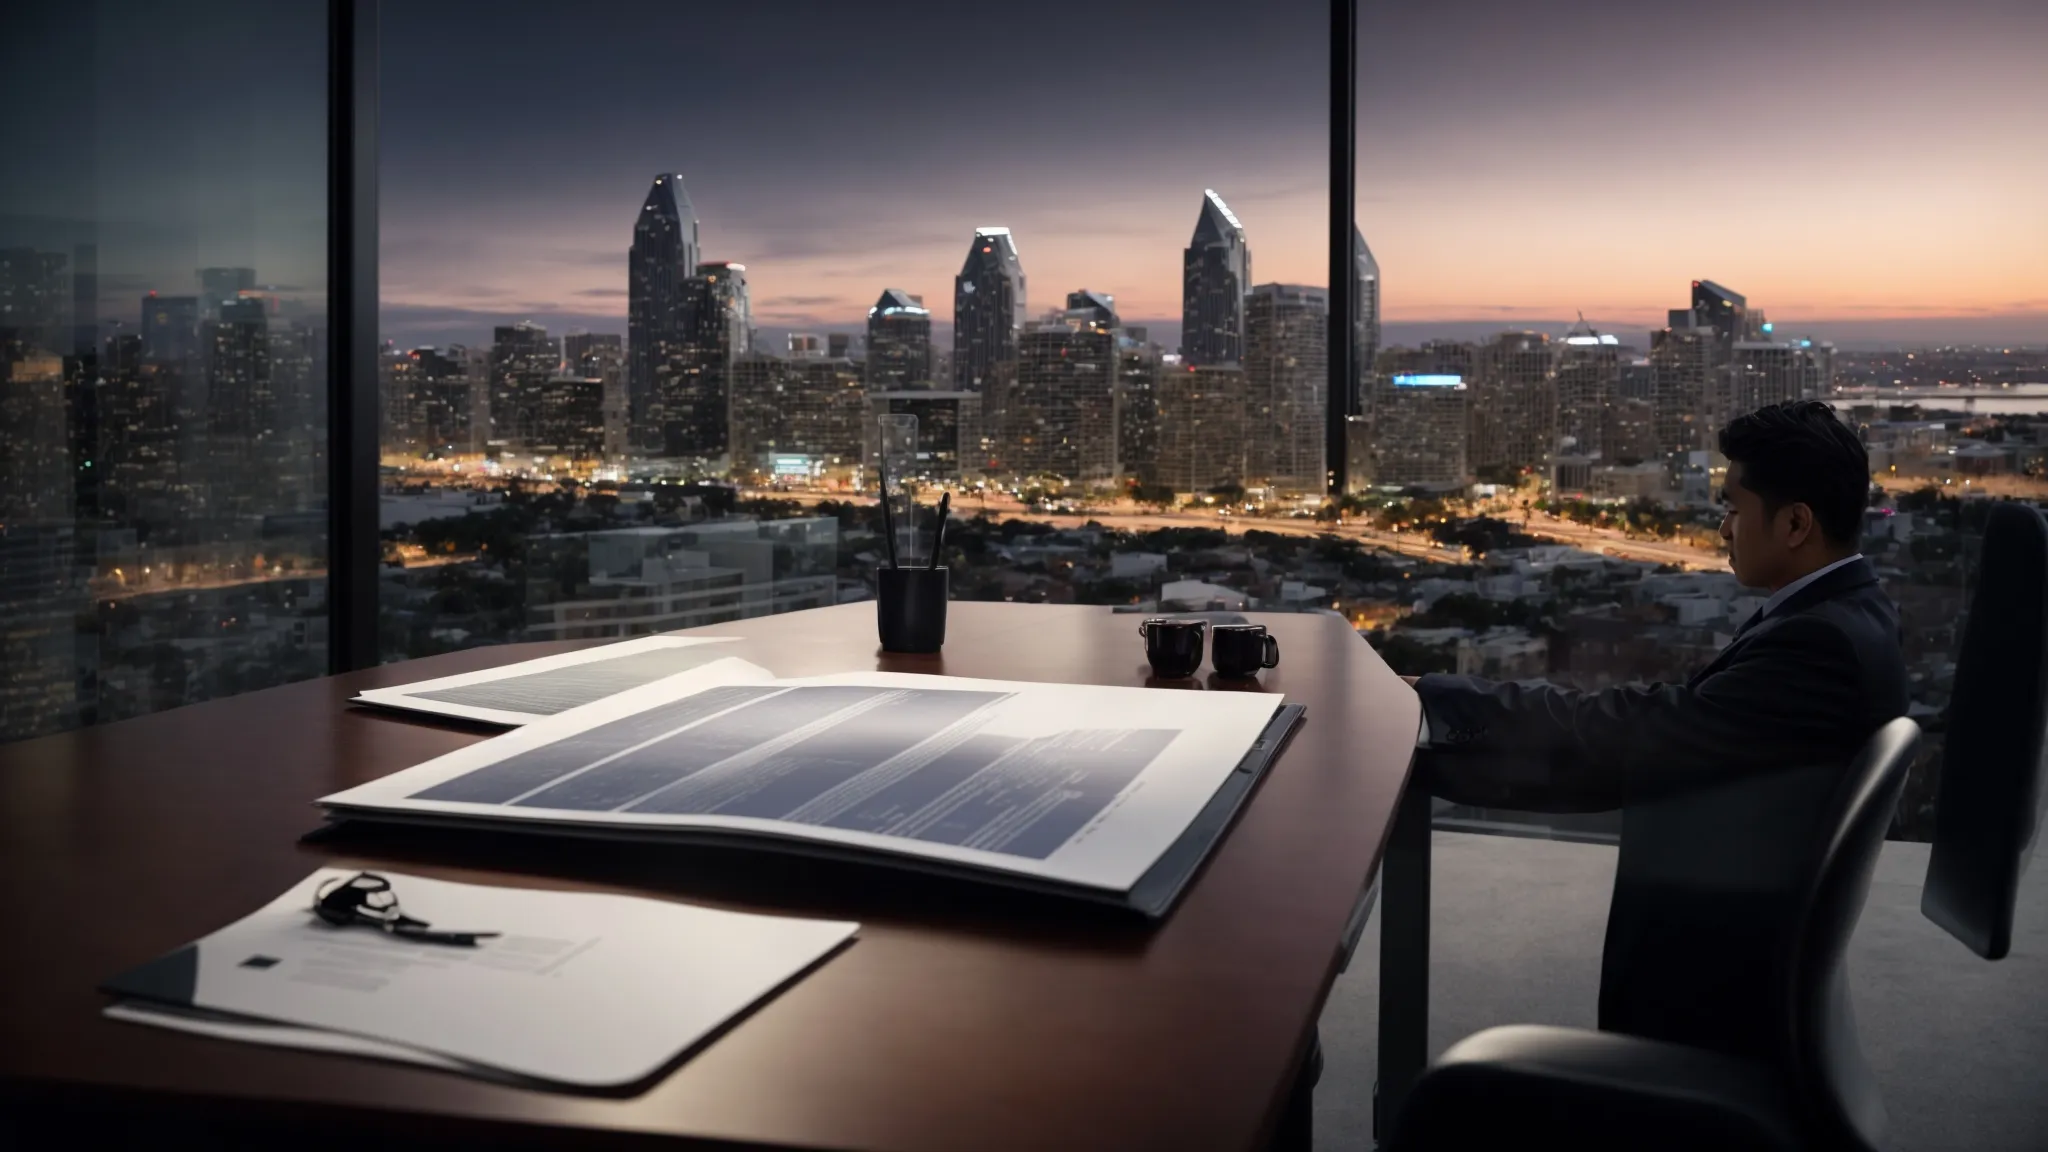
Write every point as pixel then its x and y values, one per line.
pixel 1173 646
pixel 910 609
pixel 1243 649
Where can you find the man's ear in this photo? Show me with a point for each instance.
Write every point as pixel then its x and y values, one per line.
pixel 1799 524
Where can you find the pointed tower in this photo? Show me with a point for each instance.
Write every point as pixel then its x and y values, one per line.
pixel 1216 274
pixel 658 271
pixel 988 309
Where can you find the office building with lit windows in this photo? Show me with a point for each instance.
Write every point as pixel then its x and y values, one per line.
pixel 988 310
pixel 659 267
pixel 1059 418
pixel 1216 272
pixel 1421 416
pixel 899 343
pixel 1513 403
pixel 1287 371
pixel 1201 426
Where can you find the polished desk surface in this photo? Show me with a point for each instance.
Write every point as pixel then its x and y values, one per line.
pixel 962 1017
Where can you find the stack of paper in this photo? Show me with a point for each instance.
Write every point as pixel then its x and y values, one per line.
pixel 587 990
pixel 1080 788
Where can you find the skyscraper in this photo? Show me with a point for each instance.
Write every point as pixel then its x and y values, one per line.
pixel 1773 372
pixel 1201 426
pixel 659 268
pixel 170 328
pixel 1513 404
pixel 899 343
pixel 217 286
pixel 602 356
pixel 988 309
pixel 1060 416
pixel 1723 310
pixel 1287 369
pixel 1139 363
pixel 1684 359
pixel 523 358
pixel 1365 316
pixel 695 401
pixel 244 441
pixel 1589 365
pixel 1216 271
pixel 1421 428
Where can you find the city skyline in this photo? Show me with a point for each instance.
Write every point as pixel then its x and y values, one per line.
pixel 1494 192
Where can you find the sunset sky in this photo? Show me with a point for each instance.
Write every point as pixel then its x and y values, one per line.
pixel 1866 169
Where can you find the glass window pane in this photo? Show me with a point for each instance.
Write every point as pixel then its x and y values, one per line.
pixel 163 390
pixel 637 345
pixel 1604 238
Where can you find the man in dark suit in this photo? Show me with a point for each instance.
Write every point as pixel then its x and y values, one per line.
pixel 1724 778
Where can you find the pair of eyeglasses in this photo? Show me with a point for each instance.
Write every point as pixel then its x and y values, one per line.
pixel 366 900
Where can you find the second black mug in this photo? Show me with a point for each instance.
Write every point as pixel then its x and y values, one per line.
pixel 1243 649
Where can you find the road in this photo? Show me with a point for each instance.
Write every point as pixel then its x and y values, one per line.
pixel 1418 544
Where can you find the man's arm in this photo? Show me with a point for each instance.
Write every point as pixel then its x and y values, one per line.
pixel 1786 698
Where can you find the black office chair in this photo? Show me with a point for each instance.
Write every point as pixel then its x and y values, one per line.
pixel 1535 1085
pixel 1518 1085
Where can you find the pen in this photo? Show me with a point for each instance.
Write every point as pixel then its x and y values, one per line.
pixel 888 518
pixel 939 533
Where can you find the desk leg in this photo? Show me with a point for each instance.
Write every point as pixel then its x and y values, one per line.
pixel 1404 958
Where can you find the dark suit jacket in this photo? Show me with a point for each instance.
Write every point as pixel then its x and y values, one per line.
pixel 1724 780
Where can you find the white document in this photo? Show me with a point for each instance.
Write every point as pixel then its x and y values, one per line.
pixel 1073 784
pixel 583 989
pixel 524 692
pixel 222 1026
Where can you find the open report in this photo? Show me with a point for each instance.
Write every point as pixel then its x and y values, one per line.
pixel 582 989
pixel 524 692
pixel 1076 785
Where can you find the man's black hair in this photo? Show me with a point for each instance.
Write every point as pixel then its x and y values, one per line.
pixel 1800 452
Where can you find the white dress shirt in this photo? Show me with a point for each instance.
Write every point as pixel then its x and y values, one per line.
pixel 1770 605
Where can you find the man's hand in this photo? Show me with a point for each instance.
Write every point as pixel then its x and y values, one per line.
pixel 1410 680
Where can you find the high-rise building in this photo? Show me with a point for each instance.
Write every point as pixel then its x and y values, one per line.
pixel 1365 317
pixel 696 401
pixel 1421 423
pixel 805 345
pixel 170 329
pixel 899 343
pixel 1216 272
pixel 1513 404
pixel 441 401
pixel 948 430
pixel 1287 373
pixel 1059 418
pixel 602 356
pixel 138 436
pixel 1686 359
pixel 1139 363
pixel 36 292
pixel 39 646
pixel 1774 372
pixel 35 478
pixel 217 286
pixel 659 268
pixel 1723 310
pixel 839 346
pixel 1201 426
pixel 523 358
pixel 245 443
pixel 569 419
pixel 988 309
pixel 1589 366
pixel 398 408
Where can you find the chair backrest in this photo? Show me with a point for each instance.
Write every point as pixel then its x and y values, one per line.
pixel 1831 1080
pixel 1989 802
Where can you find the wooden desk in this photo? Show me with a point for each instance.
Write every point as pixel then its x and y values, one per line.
pixel 963 1017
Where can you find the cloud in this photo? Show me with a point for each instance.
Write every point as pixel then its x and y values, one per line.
pixel 606 293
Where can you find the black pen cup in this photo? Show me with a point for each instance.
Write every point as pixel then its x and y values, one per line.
pixel 910 609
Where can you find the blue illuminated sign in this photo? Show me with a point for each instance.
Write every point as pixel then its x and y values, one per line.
pixel 1428 380
pixel 1768 326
